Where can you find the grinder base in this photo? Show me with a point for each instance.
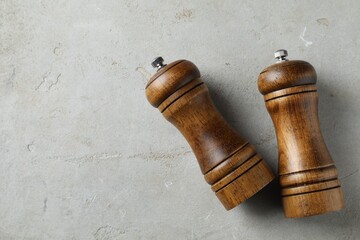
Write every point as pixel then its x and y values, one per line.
pixel 248 181
pixel 314 203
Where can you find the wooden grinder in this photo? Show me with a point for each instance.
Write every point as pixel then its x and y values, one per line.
pixel 229 163
pixel 308 177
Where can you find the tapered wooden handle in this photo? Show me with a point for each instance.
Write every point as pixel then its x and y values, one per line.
pixel 229 163
pixel 308 177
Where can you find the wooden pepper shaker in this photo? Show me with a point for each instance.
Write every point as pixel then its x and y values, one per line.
pixel 229 163
pixel 308 177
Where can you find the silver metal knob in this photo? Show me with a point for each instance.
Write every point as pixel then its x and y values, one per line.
pixel 158 63
pixel 281 55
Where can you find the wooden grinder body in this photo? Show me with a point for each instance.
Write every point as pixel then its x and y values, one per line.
pixel 229 163
pixel 308 177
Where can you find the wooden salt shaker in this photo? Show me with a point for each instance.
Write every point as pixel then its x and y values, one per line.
pixel 308 177
pixel 229 163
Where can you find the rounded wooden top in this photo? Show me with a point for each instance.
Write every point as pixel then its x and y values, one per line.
pixel 169 79
pixel 286 74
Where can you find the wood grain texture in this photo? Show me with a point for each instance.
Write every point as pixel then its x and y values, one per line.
pixel 308 177
pixel 229 163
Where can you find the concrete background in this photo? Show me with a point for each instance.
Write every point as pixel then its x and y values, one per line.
pixel 85 156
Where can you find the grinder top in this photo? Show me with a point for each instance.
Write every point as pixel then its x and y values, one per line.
pixel 168 79
pixel 285 74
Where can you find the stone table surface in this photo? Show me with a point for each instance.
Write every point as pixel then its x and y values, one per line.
pixel 85 156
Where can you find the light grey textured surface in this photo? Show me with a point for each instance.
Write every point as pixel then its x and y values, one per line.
pixel 85 156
